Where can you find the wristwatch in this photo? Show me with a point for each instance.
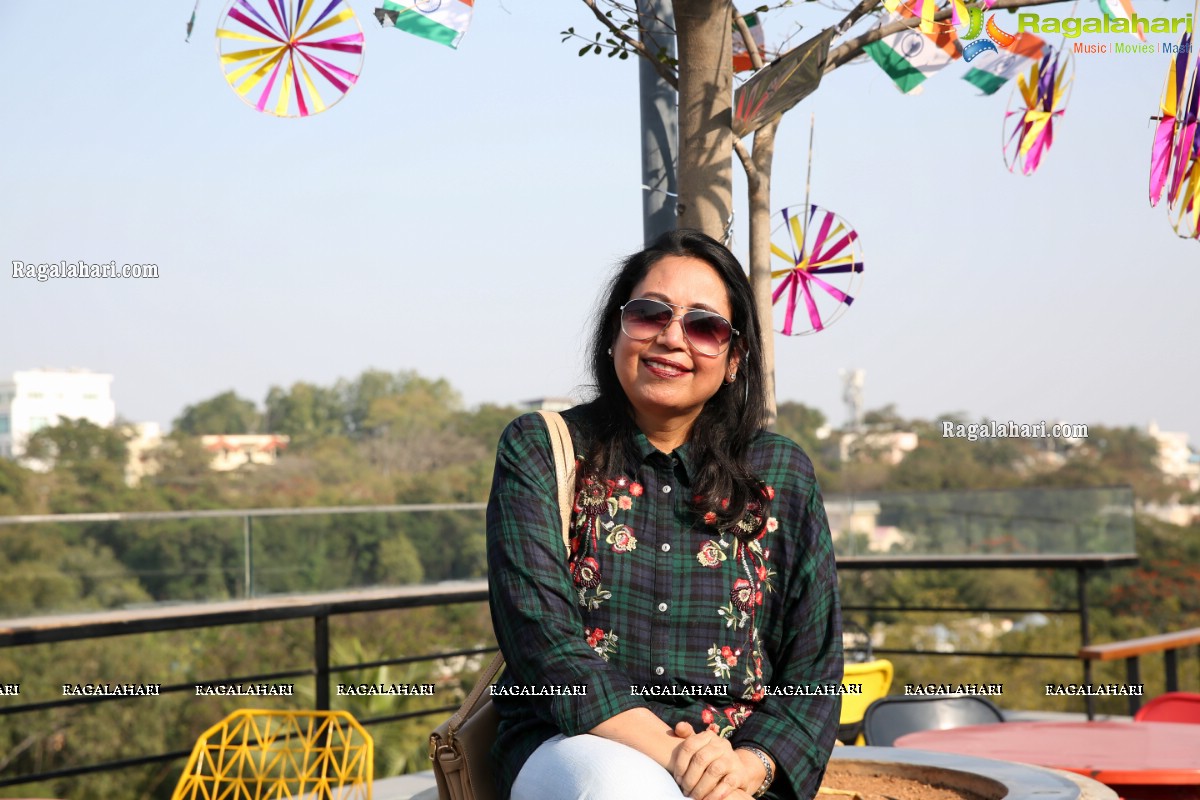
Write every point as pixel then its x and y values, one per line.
pixel 766 762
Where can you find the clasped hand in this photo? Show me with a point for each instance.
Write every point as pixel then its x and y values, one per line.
pixel 707 767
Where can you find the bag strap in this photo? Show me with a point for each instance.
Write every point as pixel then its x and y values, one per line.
pixel 564 474
pixel 564 469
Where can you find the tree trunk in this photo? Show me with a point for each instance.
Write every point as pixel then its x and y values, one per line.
pixel 705 173
pixel 758 184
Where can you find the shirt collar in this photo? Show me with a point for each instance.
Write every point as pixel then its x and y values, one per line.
pixel 645 451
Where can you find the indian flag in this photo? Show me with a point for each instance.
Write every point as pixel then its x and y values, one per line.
pixel 741 56
pixel 910 56
pixel 989 71
pixel 1123 9
pixel 441 21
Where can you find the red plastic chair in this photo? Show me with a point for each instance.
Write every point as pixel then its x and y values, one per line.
pixel 1171 707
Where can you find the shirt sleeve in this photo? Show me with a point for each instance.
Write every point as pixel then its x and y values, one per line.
pixel 798 731
pixel 537 621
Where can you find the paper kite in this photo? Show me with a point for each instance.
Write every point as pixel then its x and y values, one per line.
pixel 824 265
pixel 1037 100
pixel 1175 155
pixel 290 59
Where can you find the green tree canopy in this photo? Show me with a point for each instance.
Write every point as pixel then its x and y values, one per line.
pixel 226 414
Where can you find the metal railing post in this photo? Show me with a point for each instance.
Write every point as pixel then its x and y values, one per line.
pixel 1084 635
pixel 321 660
pixel 1171 666
pixel 247 559
pixel 1133 676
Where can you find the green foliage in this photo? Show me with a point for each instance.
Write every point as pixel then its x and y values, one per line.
pixel 800 423
pixel 304 412
pixel 224 414
pixel 386 438
pixel 77 445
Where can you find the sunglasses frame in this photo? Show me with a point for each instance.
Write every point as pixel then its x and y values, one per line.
pixel 682 325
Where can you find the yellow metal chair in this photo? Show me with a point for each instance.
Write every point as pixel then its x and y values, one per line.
pixel 876 679
pixel 275 755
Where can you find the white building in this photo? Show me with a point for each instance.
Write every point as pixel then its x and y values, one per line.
pixel 142 440
pixel 889 447
pixel 1175 458
pixel 34 399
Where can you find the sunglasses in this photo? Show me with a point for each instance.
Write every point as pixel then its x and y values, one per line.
pixel 707 332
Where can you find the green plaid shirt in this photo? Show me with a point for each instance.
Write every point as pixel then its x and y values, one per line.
pixel 656 608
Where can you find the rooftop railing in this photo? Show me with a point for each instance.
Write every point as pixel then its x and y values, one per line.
pixel 1099 519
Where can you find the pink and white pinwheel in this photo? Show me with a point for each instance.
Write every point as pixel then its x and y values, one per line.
pixel 824 266
pixel 317 45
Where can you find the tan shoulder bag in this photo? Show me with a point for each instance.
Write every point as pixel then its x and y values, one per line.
pixel 460 747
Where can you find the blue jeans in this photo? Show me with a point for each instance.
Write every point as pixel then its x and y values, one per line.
pixel 589 767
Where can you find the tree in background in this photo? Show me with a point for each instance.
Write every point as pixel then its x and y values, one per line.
pixel 86 465
pixel 224 414
pixel 304 412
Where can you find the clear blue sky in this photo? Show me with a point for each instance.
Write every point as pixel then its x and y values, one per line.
pixel 456 214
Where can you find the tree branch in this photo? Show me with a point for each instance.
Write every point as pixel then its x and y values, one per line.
pixel 744 156
pixel 857 13
pixel 664 71
pixel 847 51
pixel 756 61
pixel 748 39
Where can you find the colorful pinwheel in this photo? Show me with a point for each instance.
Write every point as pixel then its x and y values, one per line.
pixel 1175 156
pixel 319 54
pixel 824 265
pixel 1042 95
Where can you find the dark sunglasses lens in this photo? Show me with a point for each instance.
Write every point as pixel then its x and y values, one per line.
pixel 644 319
pixel 707 332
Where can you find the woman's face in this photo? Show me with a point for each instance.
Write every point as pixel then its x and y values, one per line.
pixel 666 380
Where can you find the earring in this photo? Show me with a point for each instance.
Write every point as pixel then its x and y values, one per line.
pixel 732 377
pixel 610 352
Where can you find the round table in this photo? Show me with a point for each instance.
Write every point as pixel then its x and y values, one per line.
pixel 1138 759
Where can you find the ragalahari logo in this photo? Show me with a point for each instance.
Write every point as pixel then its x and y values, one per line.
pixel 967 22
pixel 996 37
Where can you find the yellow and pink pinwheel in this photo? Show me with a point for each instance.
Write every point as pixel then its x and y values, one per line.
pixel 1038 99
pixel 290 59
pixel 1175 155
pixel 824 268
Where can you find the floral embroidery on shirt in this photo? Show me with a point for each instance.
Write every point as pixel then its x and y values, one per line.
pixel 594 500
pixel 603 642
pixel 621 537
pixel 711 554
pixel 733 618
pixel 722 659
pixel 742 542
pixel 737 714
pixel 586 573
pixel 727 720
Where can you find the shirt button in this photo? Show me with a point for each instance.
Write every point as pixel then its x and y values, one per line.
pixel 662 606
pixel 666 490
pixel 666 547
pixel 659 670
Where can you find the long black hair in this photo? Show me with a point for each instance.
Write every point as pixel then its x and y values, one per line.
pixel 720 437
